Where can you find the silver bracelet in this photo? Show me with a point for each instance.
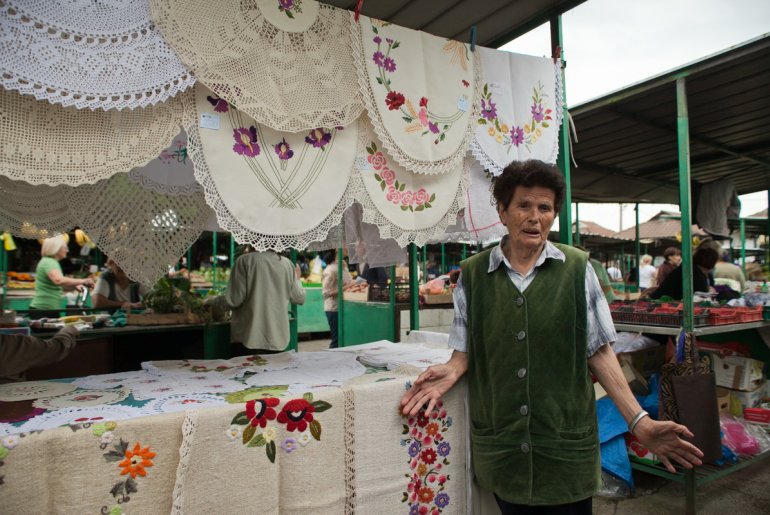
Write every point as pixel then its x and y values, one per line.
pixel 639 416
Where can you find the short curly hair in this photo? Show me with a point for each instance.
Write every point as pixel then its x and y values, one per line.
pixel 529 174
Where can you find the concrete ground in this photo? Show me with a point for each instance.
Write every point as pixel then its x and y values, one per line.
pixel 745 492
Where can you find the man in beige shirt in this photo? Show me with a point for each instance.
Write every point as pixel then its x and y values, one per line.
pixel 330 293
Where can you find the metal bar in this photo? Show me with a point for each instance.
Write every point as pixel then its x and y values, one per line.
pixel 340 301
pixel 577 223
pixel 4 270
pixel 293 322
pixel 443 259
pixel 392 298
pixel 189 259
pixel 638 258
pixel 414 300
pixel 565 215
pixel 425 262
pixel 683 146
pixel 464 251
pixel 743 246
pixel 526 25
pixel 232 252
pixel 214 260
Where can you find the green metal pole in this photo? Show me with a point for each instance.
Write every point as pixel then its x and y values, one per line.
pixel 232 252
pixel 340 301
pixel 465 252
pixel 638 256
pixel 392 298
pixel 425 262
pixel 214 260
pixel 4 269
pixel 443 259
pixel 565 215
pixel 683 145
pixel 414 299
pixel 577 223
pixel 743 245
pixel 293 322
pixel 189 258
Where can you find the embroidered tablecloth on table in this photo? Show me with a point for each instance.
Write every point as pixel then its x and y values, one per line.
pixel 273 190
pixel 285 64
pixel 420 92
pixel 87 54
pixel 519 112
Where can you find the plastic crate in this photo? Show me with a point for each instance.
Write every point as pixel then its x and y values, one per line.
pixel 381 293
pixel 749 314
pixel 656 315
pixel 723 316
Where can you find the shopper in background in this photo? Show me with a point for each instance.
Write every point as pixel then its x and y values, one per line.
pixel 533 429
pixel 115 290
pixel 673 258
pixel 50 282
pixel 601 274
pixel 703 261
pixel 727 273
pixel 260 288
pixel 330 292
pixel 615 273
pixel 647 273
pixel 20 353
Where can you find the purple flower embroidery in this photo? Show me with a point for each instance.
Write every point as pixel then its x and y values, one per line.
pixel 246 141
pixel 389 64
pixel 286 4
pixel 389 40
pixel 319 138
pixel 283 150
pixel 443 449
pixel 488 110
pixel 537 112
pixel 517 136
pixel 433 127
pixel 289 445
pixel 378 58
pixel 220 104
pixel 414 509
pixel 414 448
pixel 442 500
pixel 377 39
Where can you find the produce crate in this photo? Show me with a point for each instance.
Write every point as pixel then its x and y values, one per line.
pixel 381 293
pixel 644 313
pixel 723 316
pixel 749 314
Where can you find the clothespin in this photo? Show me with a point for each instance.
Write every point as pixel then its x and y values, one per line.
pixel 473 38
pixel 357 11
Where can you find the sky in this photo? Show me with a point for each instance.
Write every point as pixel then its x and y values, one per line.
pixel 610 44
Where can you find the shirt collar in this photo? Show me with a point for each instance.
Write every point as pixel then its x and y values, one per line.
pixel 497 257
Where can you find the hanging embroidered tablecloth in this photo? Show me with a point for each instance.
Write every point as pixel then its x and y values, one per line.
pixel 420 92
pixel 144 232
pixel 286 64
pixel 171 173
pixel 87 54
pixel 49 144
pixel 482 222
pixel 407 206
pixel 35 212
pixel 520 109
pixel 273 190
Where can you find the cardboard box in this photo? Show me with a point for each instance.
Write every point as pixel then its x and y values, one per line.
pixel 639 452
pixel 356 296
pixel 739 399
pixel 759 416
pixel 647 361
pixel 723 399
pixel 441 298
pixel 735 372
pixel 634 378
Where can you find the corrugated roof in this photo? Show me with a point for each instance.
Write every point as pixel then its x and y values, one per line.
pixel 497 21
pixel 627 148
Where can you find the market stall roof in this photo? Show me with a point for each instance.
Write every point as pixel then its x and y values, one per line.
pixel 663 226
pixel 497 21
pixel 627 140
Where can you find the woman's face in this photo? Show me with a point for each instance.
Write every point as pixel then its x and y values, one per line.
pixel 529 216
pixel 675 259
pixel 62 253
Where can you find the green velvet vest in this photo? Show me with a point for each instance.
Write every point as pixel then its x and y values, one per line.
pixel 532 407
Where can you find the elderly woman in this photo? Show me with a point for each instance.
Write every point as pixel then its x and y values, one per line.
pixel 50 282
pixel 530 323
pixel 115 290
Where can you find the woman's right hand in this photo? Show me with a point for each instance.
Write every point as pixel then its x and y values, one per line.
pixel 87 282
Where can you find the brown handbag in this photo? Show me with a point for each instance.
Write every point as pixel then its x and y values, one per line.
pixel 688 396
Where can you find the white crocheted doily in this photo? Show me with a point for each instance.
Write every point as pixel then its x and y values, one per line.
pixel 105 55
pixel 35 212
pixel 291 74
pixel 271 190
pixel 44 143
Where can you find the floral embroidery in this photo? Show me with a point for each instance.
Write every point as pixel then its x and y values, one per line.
pixel 516 135
pixel 296 414
pixel 420 120
pixel 319 138
pixel 396 192
pixel 246 141
pixel 427 454
pixel 179 155
pixel 131 462
pixel 220 104
pixel 289 7
pixel 258 392
pixel 284 152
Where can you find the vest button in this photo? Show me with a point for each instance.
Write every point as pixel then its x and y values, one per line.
pixel 525 448
pixel 519 301
pixel 521 373
pixel 520 335
pixel 524 410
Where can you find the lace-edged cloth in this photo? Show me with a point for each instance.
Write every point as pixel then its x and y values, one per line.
pixel 34 212
pixel 97 55
pixel 407 206
pixel 286 80
pixel 301 182
pixel 143 231
pixel 171 173
pixel 44 143
pixel 481 220
pixel 520 110
pixel 420 92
